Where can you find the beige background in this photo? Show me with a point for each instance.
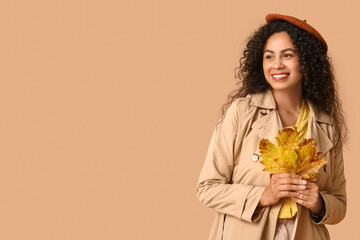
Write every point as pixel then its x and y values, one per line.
pixel 107 109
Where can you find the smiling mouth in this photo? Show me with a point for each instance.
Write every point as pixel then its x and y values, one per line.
pixel 279 76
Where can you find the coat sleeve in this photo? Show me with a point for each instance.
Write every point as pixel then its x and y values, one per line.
pixel 335 197
pixel 214 188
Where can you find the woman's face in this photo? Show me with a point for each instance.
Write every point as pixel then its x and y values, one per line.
pixel 281 63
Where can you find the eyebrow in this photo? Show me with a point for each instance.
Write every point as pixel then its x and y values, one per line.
pixel 284 50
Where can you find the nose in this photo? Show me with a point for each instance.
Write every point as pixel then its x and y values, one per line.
pixel 277 63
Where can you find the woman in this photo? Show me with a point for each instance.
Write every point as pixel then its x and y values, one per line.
pixel 287 81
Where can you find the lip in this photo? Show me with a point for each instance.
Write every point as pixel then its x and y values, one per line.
pixel 279 76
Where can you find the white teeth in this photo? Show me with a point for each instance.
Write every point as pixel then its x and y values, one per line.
pixel 282 75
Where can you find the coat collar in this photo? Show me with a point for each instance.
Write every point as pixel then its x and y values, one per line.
pixel 263 100
pixel 270 125
pixel 266 100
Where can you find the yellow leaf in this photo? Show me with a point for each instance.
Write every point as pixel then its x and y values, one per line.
pixel 290 156
pixel 288 138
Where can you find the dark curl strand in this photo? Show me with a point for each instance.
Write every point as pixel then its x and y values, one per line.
pixel 318 81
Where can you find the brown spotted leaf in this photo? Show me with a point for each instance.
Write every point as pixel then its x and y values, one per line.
pixel 308 156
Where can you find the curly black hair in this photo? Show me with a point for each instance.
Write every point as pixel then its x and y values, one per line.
pixel 318 82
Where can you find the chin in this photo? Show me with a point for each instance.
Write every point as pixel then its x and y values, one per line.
pixel 286 87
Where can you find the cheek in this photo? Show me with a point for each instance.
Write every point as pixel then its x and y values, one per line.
pixel 296 66
pixel 298 71
pixel 266 67
pixel 266 72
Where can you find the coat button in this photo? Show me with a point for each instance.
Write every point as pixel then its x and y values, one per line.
pixel 255 157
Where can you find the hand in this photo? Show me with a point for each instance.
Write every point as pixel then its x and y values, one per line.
pixel 282 185
pixel 310 198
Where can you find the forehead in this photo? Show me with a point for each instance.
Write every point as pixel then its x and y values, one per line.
pixel 279 41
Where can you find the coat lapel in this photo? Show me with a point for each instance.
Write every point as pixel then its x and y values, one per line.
pixel 315 131
pixel 268 126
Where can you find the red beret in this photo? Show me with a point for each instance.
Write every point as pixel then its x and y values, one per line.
pixel 299 23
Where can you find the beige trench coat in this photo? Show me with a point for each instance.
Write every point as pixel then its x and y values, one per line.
pixel 231 182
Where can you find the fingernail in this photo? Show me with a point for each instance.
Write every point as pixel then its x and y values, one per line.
pixel 303 187
pixel 303 181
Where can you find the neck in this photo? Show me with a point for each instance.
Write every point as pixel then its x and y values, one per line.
pixel 287 100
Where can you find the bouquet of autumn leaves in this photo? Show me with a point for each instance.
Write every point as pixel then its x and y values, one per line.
pixel 291 155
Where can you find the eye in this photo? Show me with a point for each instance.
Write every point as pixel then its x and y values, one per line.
pixel 287 55
pixel 268 57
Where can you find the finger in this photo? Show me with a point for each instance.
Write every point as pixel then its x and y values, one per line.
pixel 303 197
pixel 295 176
pixel 312 188
pixel 301 201
pixel 309 192
pixel 312 185
pixel 292 181
pixel 287 175
pixel 294 194
pixel 283 194
pixel 305 192
pixel 291 187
